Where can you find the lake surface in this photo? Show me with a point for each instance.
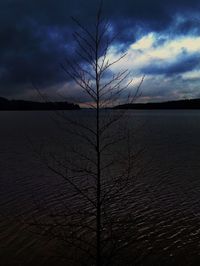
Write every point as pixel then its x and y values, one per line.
pixel 165 196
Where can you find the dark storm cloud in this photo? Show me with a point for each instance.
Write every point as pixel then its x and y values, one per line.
pixel 191 26
pixel 182 64
pixel 36 35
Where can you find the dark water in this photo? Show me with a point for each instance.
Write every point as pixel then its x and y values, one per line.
pixel 165 198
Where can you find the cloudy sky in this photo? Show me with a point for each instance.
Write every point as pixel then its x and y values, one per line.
pixel 161 39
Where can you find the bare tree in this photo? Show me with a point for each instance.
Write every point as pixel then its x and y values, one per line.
pixel 98 165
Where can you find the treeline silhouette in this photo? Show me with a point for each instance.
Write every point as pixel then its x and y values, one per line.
pixel 6 104
pixel 180 104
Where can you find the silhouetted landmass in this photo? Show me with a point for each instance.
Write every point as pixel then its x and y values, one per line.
pixel 6 104
pixel 181 104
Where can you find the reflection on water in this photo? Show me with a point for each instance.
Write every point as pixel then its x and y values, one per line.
pixel 164 202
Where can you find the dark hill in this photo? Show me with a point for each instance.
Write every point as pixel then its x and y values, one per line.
pixel 30 105
pixel 181 104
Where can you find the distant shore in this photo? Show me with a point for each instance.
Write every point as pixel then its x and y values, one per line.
pixel 21 105
pixel 180 104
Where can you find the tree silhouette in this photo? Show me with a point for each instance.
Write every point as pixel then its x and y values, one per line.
pixel 98 164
